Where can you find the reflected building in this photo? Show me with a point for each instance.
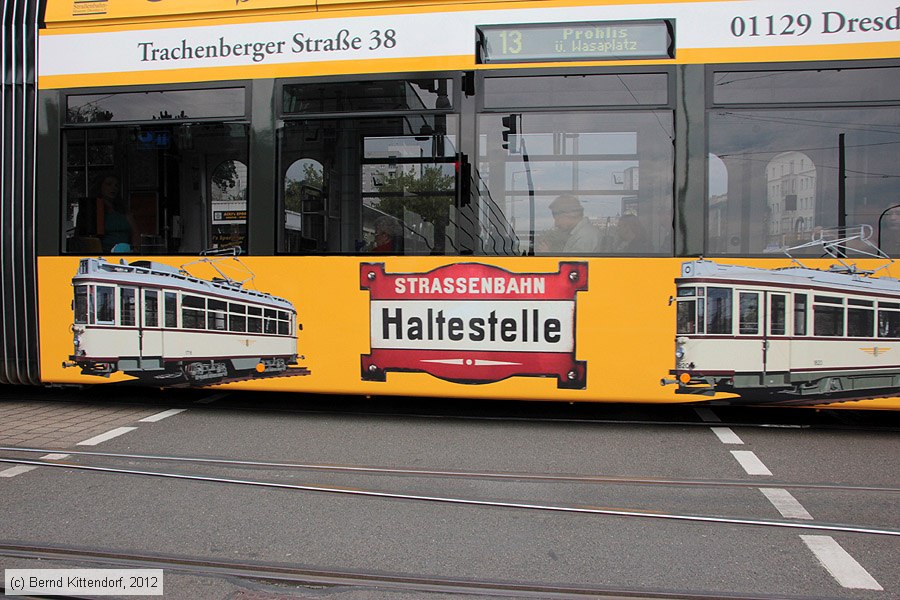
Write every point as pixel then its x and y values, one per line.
pixel 791 185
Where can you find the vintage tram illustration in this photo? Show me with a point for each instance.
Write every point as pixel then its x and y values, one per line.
pixel 156 322
pixel 791 333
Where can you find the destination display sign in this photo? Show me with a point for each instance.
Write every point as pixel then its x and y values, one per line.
pixel 556 42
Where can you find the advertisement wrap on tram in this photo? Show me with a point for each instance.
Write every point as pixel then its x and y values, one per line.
pixel 331 198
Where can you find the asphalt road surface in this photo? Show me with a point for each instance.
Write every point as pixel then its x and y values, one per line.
pixel 259 496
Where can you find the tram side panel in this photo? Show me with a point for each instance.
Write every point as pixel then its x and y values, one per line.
pixel 623 336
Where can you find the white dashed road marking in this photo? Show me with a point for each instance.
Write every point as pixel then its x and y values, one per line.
pixel 162 415
pixel 726 435
pixel 786 504
pixel 842 566
pixel 751 463
pixel 106 436
pixel 16 471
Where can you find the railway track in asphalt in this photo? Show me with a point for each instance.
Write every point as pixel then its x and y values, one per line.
pixel 311 576
pixel 84 465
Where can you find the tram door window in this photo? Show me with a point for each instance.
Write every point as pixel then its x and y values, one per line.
pixel 800 314
pixel 383 180
pixel 777 314
pixel 749 313
pixel 151 308
pixel 778 145
pixel 578 164
pixel 171 307
pixel 127 306
pixel 155 172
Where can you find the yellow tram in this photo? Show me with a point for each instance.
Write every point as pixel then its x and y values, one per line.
pixel 485 200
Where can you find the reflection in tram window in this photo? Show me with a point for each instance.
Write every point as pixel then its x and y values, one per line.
pixel 773 169
pixel 160 154
pixel 559 138
pixel 342 175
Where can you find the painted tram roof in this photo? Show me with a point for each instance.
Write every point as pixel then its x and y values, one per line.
pixel 153 273
pixel 836 279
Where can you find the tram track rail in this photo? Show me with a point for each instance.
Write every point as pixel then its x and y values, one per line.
pixel 467 501
pixel 454 474
pixel 305 575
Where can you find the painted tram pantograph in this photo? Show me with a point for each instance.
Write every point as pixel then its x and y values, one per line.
pixel 790 333
pixel 156 322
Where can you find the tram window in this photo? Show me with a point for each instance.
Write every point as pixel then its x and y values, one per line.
pixel 770 170
pixel 361 96
pixel 151 308
pixel 216 315
pixel 683 292
pixel 106 304
pixel 193 312
pixel 889 324
pixel 805 86
pixel 718 311
pixel 284 326
pixel 269 321
pixel 860 322
pixel 609 171
pixel 237 318
pixel 749 313
pixel 345 182
pixel 171 302
pixel 254 319
pixel 828 320
pixel 576 90
pixel 799 314
pixel 138 188
pixel 228 196
pixel 151 106
pixel 81 304
pixel 686 317
pixel 778 315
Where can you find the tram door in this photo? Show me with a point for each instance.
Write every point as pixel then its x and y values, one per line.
pixel 752 356
pixel 149 331
pixel 777 342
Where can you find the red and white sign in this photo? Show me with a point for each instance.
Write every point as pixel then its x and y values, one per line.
pixel 474 323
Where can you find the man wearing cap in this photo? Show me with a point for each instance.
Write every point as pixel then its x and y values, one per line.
pixel 581 237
